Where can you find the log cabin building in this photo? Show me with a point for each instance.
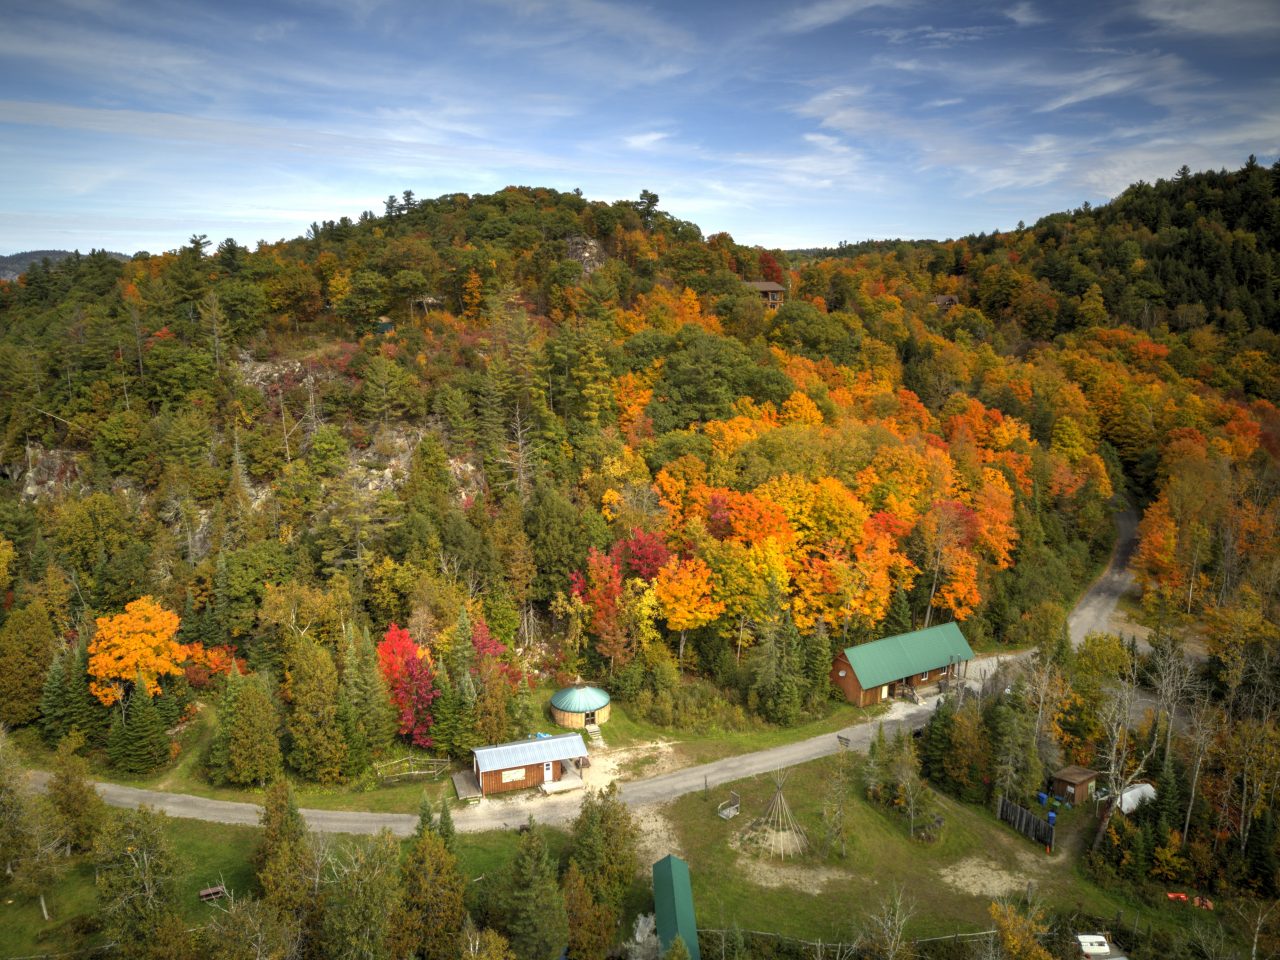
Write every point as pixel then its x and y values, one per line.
pixel 529 763
pixel 771 294
pixel 872 672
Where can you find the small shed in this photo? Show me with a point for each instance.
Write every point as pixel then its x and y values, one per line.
pixel 1074 784
pixel 871 672
pixel 522 764
pixel 580 706
pixel 673 905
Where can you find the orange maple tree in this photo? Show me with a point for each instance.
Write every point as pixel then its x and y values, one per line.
pixel 135 645
pixel 683 590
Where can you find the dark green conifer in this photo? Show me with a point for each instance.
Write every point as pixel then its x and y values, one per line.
pixel 27 649
pixel 531 909
pixel 138 741
pixel 444 826
pixel 54 701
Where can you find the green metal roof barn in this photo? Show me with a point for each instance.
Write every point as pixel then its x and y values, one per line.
pixel 673 905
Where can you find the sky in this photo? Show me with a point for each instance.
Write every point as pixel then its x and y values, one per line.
pixel 133 124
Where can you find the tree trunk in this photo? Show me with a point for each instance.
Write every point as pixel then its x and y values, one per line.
pixel 1195 781
pixel 1104 824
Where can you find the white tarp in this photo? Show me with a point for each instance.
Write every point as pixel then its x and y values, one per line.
pixel 1138 793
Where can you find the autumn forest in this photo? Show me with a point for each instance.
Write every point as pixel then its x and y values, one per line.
pixel 377 490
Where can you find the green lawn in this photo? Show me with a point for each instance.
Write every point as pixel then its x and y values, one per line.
pixel 952 880
pixel 622 731
pixel 184 775
pixel 209 854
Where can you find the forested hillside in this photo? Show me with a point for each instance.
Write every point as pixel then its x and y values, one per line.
pixel 497 437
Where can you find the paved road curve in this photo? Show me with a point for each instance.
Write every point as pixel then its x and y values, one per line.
pixel 1091 613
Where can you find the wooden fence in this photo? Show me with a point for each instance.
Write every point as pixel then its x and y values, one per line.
pixel 409 768
pixel 1026 823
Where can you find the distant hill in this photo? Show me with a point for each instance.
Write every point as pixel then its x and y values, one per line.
pixel 14 264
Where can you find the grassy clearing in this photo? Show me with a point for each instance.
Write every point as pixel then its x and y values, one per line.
pixel 185 775
pixel 625 731
pixel 952 880
pixel 209 854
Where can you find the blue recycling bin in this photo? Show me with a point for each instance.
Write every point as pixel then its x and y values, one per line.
pixel 1053 817
pixel 1043 798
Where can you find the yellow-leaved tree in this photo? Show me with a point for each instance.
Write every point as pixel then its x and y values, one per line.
pixel 683 590
pixel 138 643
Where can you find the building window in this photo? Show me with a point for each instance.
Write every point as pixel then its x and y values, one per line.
pixel 925 675
pixel 841 673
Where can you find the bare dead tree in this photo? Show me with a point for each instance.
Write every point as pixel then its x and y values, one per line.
pixel 885 928
pixel 1255 914
pixel 1174 680
pixel 1121 762
pixel 1202 730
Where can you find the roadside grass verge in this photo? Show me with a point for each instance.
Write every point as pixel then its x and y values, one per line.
pixel 952 881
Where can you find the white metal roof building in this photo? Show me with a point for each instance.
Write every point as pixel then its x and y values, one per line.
pixel 523 753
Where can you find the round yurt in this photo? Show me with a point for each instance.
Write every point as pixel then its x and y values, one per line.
pixel 580 705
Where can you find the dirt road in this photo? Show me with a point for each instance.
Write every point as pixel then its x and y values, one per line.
pixel 1095 611
pixel 1097 608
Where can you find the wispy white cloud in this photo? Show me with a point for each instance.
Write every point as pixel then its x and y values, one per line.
pixel 824 13
pixel 1025 15
pixel 1218 18
pixel 645 141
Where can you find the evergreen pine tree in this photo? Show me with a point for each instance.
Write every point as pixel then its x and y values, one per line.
pixel 373 700
pixel 219 743
pixel 898 619
pixel 433 900
pixel 78 811
pixel 444 826
pixel 138 741
pixel 592 925
pixel 281 821
pixel 316 747
pixel 531 907
pixel 817 667
pixel 358 755
pixel 54 701
pixel 85 712
pixel 677 950
pixel 1260 854
pixel 426 817
pixel 27 649
pixel 605 844
pixel 253 742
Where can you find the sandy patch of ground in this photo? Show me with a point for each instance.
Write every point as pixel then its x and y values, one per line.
pixel 983 877
pixel 757 850
pixel 657 836
pixel 629 763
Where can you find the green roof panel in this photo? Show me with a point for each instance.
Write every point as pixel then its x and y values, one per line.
pixel 908 654
pixel 579 699
pixel 673 905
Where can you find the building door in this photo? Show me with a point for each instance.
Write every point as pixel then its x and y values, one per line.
pixel 590 717
pixel 884 692
pixel 546 772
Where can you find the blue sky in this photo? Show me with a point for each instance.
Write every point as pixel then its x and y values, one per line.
pixel 133 124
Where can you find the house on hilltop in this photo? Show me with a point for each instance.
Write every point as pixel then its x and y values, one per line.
pixel 771 293
pixel 871 672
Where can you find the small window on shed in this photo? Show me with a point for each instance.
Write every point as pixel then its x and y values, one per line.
pixel 925 675
pixel 841 673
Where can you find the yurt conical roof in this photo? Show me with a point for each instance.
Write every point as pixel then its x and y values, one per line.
pixel 579 699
